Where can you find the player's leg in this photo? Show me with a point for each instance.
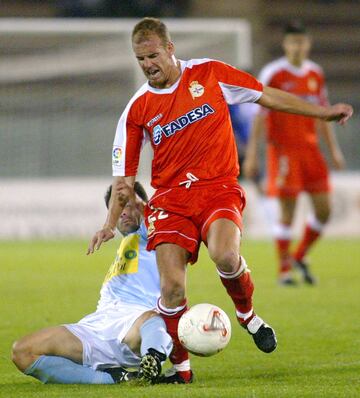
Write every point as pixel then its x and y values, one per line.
pixel 317 185
pixel 284 172
pixel 54 355
pixel 148 331
pixel 50 341
pixel 283 237
pixel 312 232
pixel 149 338
pixel 172 262
pixel 223 241
pixel 176 241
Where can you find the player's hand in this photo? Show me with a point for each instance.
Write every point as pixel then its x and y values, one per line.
pixel 101 236
pixel 340 113
pixel 251 167
pixel 124 192
pixel 338 160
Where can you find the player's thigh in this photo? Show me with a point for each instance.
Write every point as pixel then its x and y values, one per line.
pixel 172 260
pixel 56 341
pixel 316 176
pixel 284 174
pixel 287 209
pixel 321 205
pixel 221 224
pixel 133 338
pixel 223 241
pixel 167 228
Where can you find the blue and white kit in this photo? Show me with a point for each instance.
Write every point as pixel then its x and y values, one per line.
pixel 131 287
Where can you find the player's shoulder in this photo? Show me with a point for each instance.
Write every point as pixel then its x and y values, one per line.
pixel 137 100
pixel 203 63
pixel 271 69
pixel 191 63
pixel 140 93
pixel 314 67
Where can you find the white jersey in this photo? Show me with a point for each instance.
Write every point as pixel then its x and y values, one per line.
pixel 131 288
pixel 133 277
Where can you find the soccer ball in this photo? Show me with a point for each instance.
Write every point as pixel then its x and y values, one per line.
pixel 204 330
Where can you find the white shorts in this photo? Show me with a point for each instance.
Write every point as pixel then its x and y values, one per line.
pixel 102 333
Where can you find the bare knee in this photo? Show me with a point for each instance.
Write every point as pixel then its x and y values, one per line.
pixel 287 210
pixel 133 336
pixel 22 355
pixel 322 207
pixel 225 260
pixel 323 214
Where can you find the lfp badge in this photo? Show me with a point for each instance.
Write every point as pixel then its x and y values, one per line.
pixel 116 155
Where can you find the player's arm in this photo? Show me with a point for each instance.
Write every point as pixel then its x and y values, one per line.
pixel 327 131
pixel 122 191
pixel 251 163
pixel 279 100
pixel 125 159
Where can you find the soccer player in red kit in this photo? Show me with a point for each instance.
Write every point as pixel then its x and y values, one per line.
pixel 294 160
pixel 182 110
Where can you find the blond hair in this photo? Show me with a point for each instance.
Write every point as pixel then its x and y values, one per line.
pixel 149 26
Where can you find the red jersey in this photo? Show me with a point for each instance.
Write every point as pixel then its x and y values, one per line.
pixel 307 82
pixel 188 125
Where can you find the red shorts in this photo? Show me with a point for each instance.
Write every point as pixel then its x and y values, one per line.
pixel 291 172
pixel 183 216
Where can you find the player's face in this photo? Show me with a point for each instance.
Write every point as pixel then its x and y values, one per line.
pixel 296 47
pixel 130 218
pixel 156 61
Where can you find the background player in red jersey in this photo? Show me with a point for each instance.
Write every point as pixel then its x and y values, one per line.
pixel 294 160
pixel 183 110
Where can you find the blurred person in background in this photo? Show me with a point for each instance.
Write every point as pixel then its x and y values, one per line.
pixel 294 161
pixel 242 116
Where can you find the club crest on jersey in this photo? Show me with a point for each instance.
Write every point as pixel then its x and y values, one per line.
pixel 181 122
pixel 196 89
pixel 312 84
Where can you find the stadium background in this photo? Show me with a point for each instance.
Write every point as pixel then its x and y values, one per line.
pixel 64 83
pixel 61 93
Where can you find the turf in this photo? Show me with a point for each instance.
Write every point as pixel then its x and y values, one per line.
pixel 49 283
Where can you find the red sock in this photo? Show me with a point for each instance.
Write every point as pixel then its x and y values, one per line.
pixel 283 246
pixel 309 238
pixel 240 288
pixel 171 318
pixel 185 374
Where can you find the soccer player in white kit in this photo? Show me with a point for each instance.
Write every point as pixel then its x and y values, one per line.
pixel 122 331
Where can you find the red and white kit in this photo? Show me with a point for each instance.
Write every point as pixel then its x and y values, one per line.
pixel 195 165
pixel 294 160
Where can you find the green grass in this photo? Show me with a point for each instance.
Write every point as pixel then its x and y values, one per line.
pixel 49 283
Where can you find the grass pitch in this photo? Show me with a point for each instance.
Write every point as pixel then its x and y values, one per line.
pixel 318 354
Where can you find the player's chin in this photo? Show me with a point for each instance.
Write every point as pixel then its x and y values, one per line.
pixel 130 228
pixel 157 81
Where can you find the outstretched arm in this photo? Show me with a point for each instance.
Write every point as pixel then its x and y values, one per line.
pixel 327 131
pixel 251 163
pixel 279 100
pixel 118 199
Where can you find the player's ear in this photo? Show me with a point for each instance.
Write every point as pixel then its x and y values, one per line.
pixel 170 47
